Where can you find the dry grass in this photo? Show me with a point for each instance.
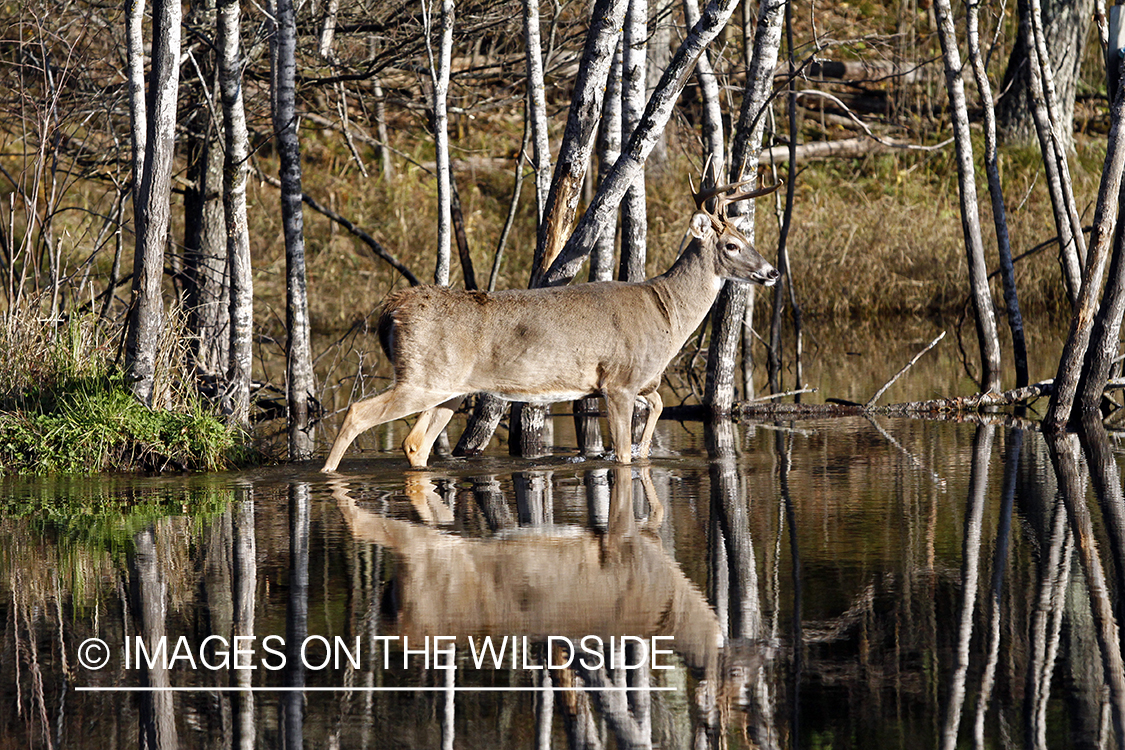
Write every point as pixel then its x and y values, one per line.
pixel 871 238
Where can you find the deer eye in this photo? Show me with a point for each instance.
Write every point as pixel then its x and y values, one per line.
pixel 731 248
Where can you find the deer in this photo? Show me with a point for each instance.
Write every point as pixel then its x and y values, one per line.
pixel 550 344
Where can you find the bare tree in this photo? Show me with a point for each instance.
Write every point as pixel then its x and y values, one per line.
pixel 634 223
pixel 1053 144
pixel 996 192
pixel 1091 345
pixel 439 81
pixel 987 338
pixel 537 106
pixel 237 152
pixel 301 382
pixel 578 139
pixel 155 130
pixel 729 311
pixel 599 215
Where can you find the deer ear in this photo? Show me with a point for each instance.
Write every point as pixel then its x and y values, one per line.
pixel 700 225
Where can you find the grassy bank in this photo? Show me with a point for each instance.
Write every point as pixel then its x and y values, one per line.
pixel 65 409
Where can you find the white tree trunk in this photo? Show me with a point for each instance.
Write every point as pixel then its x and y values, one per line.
pixel 154 195
pixel 581 129
pixel 237 154
pixel 300 381
pixel 439 77
pixel 634 222
pixel 730 310
pixel 537 106
pixel 599 215
pixel 988 340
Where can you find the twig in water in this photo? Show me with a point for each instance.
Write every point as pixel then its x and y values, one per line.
pixel 770 397
pixel 902 372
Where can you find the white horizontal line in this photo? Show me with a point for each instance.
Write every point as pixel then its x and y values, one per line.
pixel 361 689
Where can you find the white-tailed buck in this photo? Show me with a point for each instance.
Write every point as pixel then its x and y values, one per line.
pixel 607 338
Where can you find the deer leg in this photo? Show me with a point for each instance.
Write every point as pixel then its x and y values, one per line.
pixel 655 406
pixel 619 413
pixel 396 403
pixel 426 430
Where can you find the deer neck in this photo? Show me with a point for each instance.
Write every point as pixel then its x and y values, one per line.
pixel 688 289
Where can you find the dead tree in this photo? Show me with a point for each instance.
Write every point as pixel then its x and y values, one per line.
pixel 299 373
pixel 237 153
pixel 729 311
pixel 987 337
pixel 153 134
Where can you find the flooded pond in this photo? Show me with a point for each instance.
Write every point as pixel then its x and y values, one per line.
pixel 819 583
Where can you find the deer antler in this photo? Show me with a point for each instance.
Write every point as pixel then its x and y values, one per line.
pixel 722 200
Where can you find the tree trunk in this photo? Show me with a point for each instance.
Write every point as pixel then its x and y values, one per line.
pixel 729 310
pixel 237 153
pixel 970 215
pixel 578 139
pixel 1091 346
pixel 300 380
pixel 587 410
pixel 599 215
pixel 996 192
pixel 439 78
pixel 206 299
pixel 537 106
pixel 609 148
pixel 634 224
pixel 659 54
pixel 1072 249
pixel 1066 23
pixel 153 194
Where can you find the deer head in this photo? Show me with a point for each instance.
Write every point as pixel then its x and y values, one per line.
pixel 735 256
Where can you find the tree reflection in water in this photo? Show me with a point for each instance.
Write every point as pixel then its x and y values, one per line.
pixel 824 583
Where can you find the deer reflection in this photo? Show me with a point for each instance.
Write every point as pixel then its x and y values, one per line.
pixel 568 582
pixel 612 579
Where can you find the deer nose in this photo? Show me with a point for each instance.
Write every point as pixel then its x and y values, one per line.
pixel 773 274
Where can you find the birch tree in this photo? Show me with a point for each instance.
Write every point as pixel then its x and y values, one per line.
pixel 154 132
pixel 996 193
pixel 299 374
pixel 578 138
pixel 987 338
pixel 537 106
pixel 602 209
pixel 1072 244
pixel 634 223
pixel 236 156
pixel 439 81
pixel 730 308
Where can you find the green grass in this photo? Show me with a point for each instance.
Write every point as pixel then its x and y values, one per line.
pixel 64 409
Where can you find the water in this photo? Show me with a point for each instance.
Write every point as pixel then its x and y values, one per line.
pixel 825 583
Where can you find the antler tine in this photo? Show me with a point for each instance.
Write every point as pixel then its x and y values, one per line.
pixel 722 200
pixel 758 193
pixel 704 195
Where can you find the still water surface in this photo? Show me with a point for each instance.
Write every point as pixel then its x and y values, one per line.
pixel 825 583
